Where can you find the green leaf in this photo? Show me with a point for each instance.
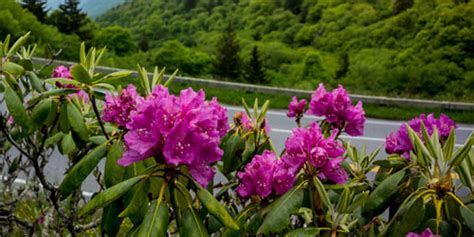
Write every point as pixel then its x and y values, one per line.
pixel 41 112
pixel 216 209
pixel 465 174
pixel 21 41
pixel 64 125
pixel 408 218
pixel 448 148
pixel 98 140
pixel 138 201
pixel 113 173
pixel 382 194
pixel 76 120
pixel 63 81
pixel 81 170
pixel 109 195
pixel 463 152
pixel 82 53
pixel 52 140
pixel 171 78
pixel 13 68
pixel 113 76
pixel 79 73
pixel 156 220
pixel 192 225
pixel 106 86
pixel 468 216
pixel 55 92
pixel 230 149
pixel 323 195
pixel 16 109
pixel 67 144
pixel 304 232
pixel 110 221
pixel 35 82
pixel 279 216
pixel 263 112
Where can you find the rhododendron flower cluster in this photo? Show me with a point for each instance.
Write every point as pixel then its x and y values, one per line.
pixel 426 233
pixel 324 155
pixel 296 108
pixel 62 72
pixel 118 109
pixel 184 130
pixel 399 142
pixel 264 174
pixel 337 107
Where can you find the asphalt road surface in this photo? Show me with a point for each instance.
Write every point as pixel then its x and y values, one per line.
pixel 374 136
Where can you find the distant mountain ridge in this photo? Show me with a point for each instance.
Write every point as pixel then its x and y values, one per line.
pixel 93 8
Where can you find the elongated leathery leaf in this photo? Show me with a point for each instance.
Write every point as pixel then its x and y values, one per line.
pixel 16 108
pixel 81 170
pixel 216 209
pixel 76 120
pixel 191 225
pixel 279 216
pixel 156 220
pixel 383 193
pixel 109 195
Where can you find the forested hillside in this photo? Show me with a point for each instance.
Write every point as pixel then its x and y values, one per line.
pixel 92 7
pixel 423 48
pixel 16 21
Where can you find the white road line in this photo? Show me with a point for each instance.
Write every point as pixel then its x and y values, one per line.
pixel 23 182
pixel 368 121
pixel 372 139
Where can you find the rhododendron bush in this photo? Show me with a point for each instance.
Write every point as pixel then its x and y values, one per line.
pixel 181 165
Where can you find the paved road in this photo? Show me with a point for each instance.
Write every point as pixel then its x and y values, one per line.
pixel 374 136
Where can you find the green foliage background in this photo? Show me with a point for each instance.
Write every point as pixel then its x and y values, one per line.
pixel 425 51
pixel 375 47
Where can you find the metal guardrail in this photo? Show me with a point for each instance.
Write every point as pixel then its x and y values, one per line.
pixel 379 100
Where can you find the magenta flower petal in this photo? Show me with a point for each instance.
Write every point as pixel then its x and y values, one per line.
pixel 355 120
pixel 426 233
pixel 324 154
pixel 119 109
pixel 336 107
pixel 399 142
pixel 184 130
pixel 296 108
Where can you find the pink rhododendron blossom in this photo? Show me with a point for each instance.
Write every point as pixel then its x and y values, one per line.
pixel 308 145
pixel 355 119
pixel 337 107
pixel 118 109
pixel 426 233
pixel 264 174
pixel 10 121
pixel 62 72
pixel 399 142
pixel 296 108
pixel 177 130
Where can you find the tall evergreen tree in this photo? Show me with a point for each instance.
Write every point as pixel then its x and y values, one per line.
pixel 254 71
pixel 400 6
pixel 70 18
pixel 228 60
pixel 37 7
